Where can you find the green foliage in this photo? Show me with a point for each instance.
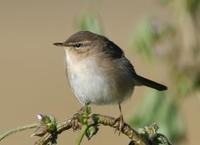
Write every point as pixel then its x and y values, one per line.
pixel 151 133
pixel 91 131
pixel 196 85
pixel 144 40
pixel 89 23
pixel 184 85
pixel 165 1
pixel 157 107
pixel 147 35
pixel 48 121
pixel 192 5
pixel 85 115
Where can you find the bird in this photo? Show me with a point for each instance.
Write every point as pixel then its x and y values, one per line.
pixel 99 72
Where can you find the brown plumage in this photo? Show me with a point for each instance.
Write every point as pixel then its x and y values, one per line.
pixel 98 71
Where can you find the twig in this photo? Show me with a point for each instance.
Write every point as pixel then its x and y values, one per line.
pixel 97 119
pixel 48 129
pixel 18 129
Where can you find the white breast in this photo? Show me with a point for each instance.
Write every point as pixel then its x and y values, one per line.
pixel 89 84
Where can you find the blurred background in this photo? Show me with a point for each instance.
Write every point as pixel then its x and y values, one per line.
pixel 160 37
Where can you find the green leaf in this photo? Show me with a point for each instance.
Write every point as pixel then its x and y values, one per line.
pixel 91 131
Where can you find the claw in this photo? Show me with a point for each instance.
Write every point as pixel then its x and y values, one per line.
pixel 120 124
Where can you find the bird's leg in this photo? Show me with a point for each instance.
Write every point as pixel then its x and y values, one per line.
pixel 83 114
pixel 121 124
pixel 120 119
pixel 83 108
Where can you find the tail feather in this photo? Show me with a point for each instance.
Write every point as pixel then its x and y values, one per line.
pixel 143 81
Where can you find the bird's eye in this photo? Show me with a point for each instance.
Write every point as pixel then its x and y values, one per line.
pixel 77 45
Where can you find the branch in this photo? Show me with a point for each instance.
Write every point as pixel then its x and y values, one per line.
pixel 95 119
pixel 49 129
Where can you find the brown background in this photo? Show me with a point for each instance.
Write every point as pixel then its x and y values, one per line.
pixel 32 78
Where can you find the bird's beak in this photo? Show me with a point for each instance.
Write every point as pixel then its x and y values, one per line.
pixel 59 44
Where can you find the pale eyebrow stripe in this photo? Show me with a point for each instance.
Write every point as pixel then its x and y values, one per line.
pixel 85 43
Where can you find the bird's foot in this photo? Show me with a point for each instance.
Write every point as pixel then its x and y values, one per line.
pixel 119 124
pixel 83 109
pixel 82 115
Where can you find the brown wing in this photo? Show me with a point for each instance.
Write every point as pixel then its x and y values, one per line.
pixel 112 50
